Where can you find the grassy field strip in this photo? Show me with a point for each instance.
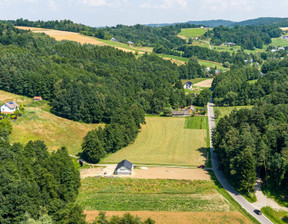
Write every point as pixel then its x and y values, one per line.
pixel 37 123
pixel 192 32
pixel 164 141
pixel 77 37
pixel 150 195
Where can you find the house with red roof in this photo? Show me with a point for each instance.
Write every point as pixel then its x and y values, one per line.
pixel 10 107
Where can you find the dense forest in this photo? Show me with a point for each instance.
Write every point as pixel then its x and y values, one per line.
pixel 89 83
pixel 36 185
pixel 254 143
pixel 233 89
pixel 248 37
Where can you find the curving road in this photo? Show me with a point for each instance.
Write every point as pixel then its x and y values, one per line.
pixel 222 179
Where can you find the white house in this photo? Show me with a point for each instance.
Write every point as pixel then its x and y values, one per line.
pixel 9 107
pixel 124 168
pixel 188 85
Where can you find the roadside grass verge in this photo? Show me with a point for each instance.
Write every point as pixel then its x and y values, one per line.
pixel 277 217
pixel 235 204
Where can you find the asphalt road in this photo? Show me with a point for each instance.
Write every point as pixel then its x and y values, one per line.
pixel 222 179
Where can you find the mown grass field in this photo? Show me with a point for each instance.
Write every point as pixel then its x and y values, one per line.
pixel 164 141
pixel 192 32
pixel 37 123
pixel 196 122
pixel 151 195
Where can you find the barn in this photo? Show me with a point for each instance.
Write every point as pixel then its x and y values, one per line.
pixel 124 168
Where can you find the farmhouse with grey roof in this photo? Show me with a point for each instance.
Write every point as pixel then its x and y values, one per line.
pixel 124 168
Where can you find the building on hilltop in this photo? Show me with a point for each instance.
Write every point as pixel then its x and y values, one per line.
pixel 124 168
pixel 9 107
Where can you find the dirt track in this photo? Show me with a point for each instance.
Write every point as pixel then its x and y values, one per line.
pixel 171 173
pixel 233 217
pixel 150 173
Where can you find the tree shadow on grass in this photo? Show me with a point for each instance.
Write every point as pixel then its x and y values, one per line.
pixel 285 219
pixel 205 152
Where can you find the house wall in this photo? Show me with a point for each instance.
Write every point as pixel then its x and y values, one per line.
pixel 6 109
pixel 123 171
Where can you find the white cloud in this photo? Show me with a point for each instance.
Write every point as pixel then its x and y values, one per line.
pixel 31 1
pixel 53 6
pixel 166 4
pixel 223 5
pixel 95 3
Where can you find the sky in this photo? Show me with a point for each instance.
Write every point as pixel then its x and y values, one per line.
pixel 129 12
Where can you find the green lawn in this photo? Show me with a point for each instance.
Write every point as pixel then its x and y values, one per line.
pixel 277 217
pixel 150 195
pixel 227 110
pixel 279 42
pixel 192 32
pixel 164 141
pixel 196 122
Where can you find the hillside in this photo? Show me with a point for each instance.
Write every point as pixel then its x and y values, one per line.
pixel 37 123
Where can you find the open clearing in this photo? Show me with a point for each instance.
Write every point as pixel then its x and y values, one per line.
pixel 227 110
pixel 192 32
pixel 164 141
pixel 232 217
pixel 205 83
pixel 39 124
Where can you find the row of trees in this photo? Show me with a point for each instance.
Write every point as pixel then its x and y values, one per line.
pixel 248 37
pixel 203 53
pixel 254 141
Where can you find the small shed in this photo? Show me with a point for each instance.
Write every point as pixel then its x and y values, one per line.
pixel 37 98
pixel 124 168
pixel 188 85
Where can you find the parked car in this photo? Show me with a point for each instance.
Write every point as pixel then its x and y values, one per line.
pixel 201 166
pixel 258 212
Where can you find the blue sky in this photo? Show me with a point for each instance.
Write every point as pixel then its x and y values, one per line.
pixel 130 12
